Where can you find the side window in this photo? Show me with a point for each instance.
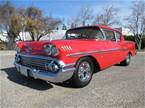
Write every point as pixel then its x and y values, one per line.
pixel 109 35
pixel 118 36
pixel 99 35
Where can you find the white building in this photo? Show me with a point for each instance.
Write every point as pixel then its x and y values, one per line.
pixel 3 37
pixel 126 31
pixel 56 34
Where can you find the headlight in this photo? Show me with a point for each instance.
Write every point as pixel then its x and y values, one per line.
pixel 54 51
pixel 51 50
pixel 47 49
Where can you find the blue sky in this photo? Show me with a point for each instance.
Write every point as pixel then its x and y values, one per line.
pixel 69 8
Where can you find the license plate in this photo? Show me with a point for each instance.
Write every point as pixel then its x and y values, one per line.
pixel 23 71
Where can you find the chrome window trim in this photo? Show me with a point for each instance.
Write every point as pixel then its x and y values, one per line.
pixel 103 33
pixel 116 36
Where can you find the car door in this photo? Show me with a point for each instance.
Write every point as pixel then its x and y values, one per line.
pixel 123 51
pixel 113 50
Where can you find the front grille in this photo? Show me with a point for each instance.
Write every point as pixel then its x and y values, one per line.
pixel 37 63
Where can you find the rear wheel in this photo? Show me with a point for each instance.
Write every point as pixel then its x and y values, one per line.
pixel 83 73
pixel 127 60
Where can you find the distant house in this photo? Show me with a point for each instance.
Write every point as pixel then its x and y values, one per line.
pixel 125 31
pixel 56 34
pixel 3 37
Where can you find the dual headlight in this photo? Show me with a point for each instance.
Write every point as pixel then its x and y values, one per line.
pixel 51 50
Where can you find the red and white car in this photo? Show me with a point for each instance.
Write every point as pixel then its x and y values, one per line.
pixel 83 51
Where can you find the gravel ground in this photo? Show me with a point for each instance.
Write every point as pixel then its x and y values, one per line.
pixel 115 87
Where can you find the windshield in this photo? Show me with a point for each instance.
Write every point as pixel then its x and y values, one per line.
pixel 84 33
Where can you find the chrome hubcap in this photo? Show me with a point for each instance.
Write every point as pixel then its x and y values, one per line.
pixel 84 71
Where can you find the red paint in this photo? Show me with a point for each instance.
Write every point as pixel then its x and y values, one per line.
pixel 107 52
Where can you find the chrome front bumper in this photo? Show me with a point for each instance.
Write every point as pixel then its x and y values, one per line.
pixel 62 75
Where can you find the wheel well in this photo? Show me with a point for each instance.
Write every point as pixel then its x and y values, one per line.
pixel 95 62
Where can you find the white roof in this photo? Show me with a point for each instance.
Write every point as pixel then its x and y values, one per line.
pixel 126 31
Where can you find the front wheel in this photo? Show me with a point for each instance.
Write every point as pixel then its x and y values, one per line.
pixel 83 74
pixel 127 60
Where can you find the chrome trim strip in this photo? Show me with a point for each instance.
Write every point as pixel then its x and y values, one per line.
pixel 99 51
pixel 70 65
pixel 68 69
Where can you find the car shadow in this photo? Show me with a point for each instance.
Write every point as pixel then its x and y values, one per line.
pixel 16 77
pixel 37 84
pixel 65 85
pixel 119 65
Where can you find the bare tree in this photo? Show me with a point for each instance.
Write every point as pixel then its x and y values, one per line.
pixel 136 21
pixel 84 16
pixel 73 22
pixel 108 16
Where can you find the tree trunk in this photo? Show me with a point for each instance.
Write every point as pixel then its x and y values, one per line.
pixel 139 44
pixel 11 43
pixel 32 36
pixel 39 37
